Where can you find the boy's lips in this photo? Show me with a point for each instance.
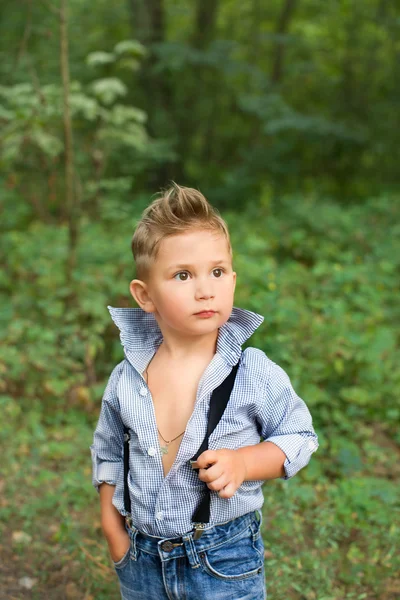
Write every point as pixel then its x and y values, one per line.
pixel 205 313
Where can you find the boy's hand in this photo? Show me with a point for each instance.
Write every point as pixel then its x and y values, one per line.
pixel 113 524
pixel 118 544
pixel 222 470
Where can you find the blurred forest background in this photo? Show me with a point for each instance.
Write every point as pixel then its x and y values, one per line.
pixel 286 115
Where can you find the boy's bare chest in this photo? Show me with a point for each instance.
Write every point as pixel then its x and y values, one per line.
pixel 173 400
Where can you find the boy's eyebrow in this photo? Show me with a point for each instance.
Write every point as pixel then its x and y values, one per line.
pixel 188 266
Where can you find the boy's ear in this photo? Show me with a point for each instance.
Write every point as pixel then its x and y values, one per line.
pixel 140 293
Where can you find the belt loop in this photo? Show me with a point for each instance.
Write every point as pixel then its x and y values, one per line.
pixel 255 524
pixel 190 548
pixel 132 534
pixel 133 545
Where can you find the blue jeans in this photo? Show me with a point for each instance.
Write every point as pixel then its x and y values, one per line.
pixel 226 563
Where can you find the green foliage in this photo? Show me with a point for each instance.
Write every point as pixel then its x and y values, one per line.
pixel 75 337
pixel 95 59
pixel 338 535
pixel 108 90
pixel 127 55
pixel 256 95
pixel 110 138
pixel 131 48
pixel 324 277
pixel 269 114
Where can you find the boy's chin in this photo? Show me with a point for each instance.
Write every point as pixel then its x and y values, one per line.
pixel 201 327
pixel 212 323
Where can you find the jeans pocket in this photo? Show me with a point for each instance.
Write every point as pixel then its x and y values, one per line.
pixel 238 558
pixel 120 564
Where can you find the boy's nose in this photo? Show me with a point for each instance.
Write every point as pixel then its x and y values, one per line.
pixel 204 295
pixel 204 291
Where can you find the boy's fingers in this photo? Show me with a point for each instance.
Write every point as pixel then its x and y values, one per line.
pixel 211 474
pixel 218 484
pixel 205 460
pixel 227 492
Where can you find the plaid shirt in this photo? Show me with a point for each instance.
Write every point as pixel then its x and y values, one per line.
pixel 263 404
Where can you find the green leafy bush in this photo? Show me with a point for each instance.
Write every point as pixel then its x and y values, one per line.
pixel 326 280
pixel 324 277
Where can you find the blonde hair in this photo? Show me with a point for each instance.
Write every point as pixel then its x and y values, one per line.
pixel 176 210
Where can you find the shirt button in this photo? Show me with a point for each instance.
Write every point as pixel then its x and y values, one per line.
pixel 151 451
pixel 311 445
pixel 143 391
pixel 160 515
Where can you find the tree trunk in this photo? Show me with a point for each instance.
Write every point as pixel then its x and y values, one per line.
pixel 70 192
pixel 203 129
pixel 148 26
pixel 254 46
pixel 205 20
pixel 139 20
pixel 281 29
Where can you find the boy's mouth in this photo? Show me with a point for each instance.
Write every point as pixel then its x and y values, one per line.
pixel 205 313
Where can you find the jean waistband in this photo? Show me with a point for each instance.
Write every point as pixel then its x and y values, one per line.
pixel 216 535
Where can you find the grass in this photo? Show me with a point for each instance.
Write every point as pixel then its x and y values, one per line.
pixel 330 533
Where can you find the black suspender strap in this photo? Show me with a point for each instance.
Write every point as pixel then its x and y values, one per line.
pixel 127 498
pixel 218 401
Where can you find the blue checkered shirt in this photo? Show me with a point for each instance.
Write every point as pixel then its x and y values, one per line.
pixel 263 406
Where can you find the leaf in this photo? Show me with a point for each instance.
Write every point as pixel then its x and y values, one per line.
pixel 131 47
pixel 6 115
pixel 109 89
pixel 355 394
pixel 130 64
pixel 133 136
pixel 49 144
pixel 95 59
pixel 383 343
pixel 85 105
pixel 122 114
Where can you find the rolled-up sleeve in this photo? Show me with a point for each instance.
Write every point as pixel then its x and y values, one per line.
pixel 107 447
pixel 286 422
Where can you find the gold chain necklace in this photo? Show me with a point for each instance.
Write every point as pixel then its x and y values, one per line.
pixel 163 449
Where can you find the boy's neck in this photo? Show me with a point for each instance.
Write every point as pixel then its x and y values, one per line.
pixel 177 347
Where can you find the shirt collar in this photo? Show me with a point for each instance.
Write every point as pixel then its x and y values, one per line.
pixel 140 334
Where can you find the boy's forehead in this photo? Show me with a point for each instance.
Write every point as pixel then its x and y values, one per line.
pixel 197 245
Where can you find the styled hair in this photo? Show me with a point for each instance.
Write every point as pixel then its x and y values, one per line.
pixel 176 210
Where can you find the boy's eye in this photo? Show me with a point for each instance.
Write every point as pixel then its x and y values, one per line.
pixel 182 276
pixel 217 272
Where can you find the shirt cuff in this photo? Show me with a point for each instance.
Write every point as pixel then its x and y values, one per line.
pixel 298 450
pixel 105 471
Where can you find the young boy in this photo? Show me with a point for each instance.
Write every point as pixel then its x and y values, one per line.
pixel 180 345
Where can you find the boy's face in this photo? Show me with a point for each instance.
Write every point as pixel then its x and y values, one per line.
pixel 191 284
